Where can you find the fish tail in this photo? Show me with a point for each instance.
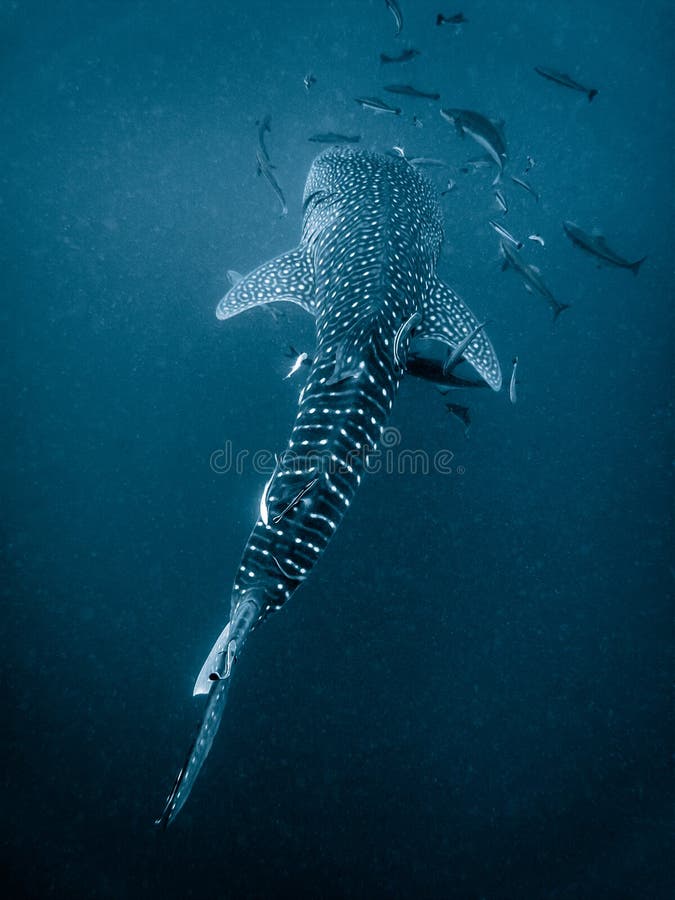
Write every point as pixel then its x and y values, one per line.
pixel 635 267
pixel 591 94
pixel 214 678
pixel 560 307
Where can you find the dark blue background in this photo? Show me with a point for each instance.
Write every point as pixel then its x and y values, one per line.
pixel 470 697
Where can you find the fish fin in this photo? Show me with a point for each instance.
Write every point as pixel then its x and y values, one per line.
pixel 289 277
pixel 560 308
pixel 199 750
pixel 635 267
pixel 216 672
pixel 448 319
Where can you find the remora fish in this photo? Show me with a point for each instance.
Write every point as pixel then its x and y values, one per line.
pixel 597 246
pixel 264 168
pixel 527 187
pixel 488 133
pixel 502 232
pixel 531 277
pixel 565 80
pixel 378 106
pixel 395 10
pixel 410 91
pixel 404 56
pixel 330 137
pixel 366 269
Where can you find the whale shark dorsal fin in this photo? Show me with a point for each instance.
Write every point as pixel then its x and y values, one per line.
pixel 448 319
pixel 289 277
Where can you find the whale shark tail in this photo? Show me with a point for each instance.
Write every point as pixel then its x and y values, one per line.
pixel 214 679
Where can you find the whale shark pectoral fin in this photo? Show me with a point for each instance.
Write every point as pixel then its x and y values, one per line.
pixel 289 277
pixel 449 319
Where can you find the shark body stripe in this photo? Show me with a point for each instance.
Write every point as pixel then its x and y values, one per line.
pixel 366 269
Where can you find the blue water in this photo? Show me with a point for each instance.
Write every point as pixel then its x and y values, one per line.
pixel 470 696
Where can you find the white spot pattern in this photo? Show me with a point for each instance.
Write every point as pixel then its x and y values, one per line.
pixel 365 265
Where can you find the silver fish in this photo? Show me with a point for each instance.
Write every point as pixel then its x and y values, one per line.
pixel 565 81
pixel 352 193
pixel 308 81
pixel 395 10
pixel 512 382
pixel 597 246
pixel 525 186
pixel 502 232
pixel 531 278
pixel 410 91
pixel 377 105
pixel 536 237
pixel 300 359
pixel 501 202
pixel 488 133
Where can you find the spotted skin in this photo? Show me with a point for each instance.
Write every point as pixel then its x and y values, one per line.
pixel 366 269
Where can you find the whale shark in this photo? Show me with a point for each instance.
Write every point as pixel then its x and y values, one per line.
pixel 365 269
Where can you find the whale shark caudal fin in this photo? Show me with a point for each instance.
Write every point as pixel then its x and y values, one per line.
pixel 289 277
pixel 449 319
pixel 215 677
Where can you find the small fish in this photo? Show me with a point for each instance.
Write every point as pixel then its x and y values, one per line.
pixel 460 412
pixel 301 358
pixel 428 161
pixel 449 187
pixel 512 383
pixel 536 237
pixel 531 277
pixel 264 128
pixel 378 106
pixel 457 19
pixel 417 122
pixel 565 80
pixel 410 91
pixel 502 232
pixel 457 352
pixel 474 165
pixel 308 81
pixel 488 133
pixel 531 163
pixel 525 186
pixel 330 137
pixel 501 202
pixel 404 56
pixel 597 246
pixel 264 168
pixel 395 10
